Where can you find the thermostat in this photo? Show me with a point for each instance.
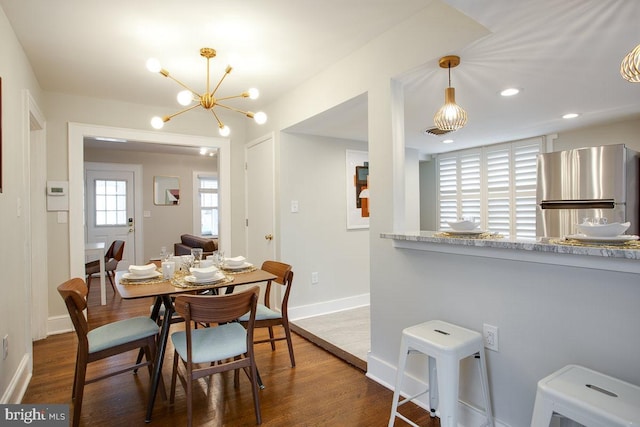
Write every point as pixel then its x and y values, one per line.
pixel 57 195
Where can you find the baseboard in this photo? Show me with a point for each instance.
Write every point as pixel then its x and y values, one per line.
pixel 326 307
pixel 19 383
pixel 385 374
pixel 59 325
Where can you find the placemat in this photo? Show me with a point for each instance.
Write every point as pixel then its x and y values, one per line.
pixel 632 244
pixel 487 235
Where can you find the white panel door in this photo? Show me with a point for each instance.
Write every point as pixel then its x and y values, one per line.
pixel 109 214
pixel 260 204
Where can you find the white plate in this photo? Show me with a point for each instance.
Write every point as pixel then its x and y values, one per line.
pixel 237 267
pixel 151 275
pixel 464 232
pixel 196 281
pixel 597 239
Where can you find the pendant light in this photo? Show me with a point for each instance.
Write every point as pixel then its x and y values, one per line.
pixel 450 116
pixel 630 66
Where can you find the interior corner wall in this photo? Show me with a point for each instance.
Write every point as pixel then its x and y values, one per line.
pixel 316 238
pixel 15 304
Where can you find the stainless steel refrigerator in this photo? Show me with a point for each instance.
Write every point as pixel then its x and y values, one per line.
pixel 586 183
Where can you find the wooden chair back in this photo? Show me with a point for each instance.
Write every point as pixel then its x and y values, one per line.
pixel 74 293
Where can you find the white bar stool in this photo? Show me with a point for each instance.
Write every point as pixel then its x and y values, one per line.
pixel 587 397
pixel 446 345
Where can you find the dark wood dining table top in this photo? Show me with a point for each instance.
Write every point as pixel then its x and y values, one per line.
pixel 155 288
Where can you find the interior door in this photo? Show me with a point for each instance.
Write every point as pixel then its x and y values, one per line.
pixel 260 222
pixel 110 213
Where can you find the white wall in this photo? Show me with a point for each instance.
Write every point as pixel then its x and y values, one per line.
pixel 15 305
pixel 316 239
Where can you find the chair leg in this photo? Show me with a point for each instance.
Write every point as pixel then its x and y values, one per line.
pixel 254 389
pixel 287 332
pixel 81 371
pixel 174 374
pixel 271 338
pixel 109 273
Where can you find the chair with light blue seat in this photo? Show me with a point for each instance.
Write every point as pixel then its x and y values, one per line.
pixel 224 346
pixel 104 341
pixel 267 317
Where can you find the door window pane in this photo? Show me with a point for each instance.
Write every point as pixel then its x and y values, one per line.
pixel 111 202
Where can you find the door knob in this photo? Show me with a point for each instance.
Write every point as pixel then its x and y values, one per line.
pixel 131 230
pixel 268 236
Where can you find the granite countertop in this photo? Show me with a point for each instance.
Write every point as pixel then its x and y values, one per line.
pixel 540 244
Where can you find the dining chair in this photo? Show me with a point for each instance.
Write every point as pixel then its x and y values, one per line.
pixel 104 341
pixel 227 346
pixel 111 259
pixel 267 317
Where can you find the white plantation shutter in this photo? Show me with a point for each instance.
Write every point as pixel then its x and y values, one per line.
pixel 524 157
pixel 495 183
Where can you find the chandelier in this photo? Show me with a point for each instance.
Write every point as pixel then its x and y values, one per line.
pixel 208 99
pixel 630 66
pixel 450 116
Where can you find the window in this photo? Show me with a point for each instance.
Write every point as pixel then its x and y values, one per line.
pixel 496 183
pixel 111 202
pixel 206 204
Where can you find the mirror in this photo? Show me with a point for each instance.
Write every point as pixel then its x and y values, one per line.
pixel 166 190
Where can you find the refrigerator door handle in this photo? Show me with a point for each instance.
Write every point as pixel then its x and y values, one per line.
pixel 578 204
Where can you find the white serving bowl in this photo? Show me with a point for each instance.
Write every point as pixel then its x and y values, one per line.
pixel 603 230
pixel 204 272
pixel 142 270
pixel 235 261
pixel 463 225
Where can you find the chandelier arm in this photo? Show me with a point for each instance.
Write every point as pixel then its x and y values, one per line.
pixel 182 84
pixel 231 97
pixel 237 110
pixel 226 73
pixel 220 124
pixel 167 118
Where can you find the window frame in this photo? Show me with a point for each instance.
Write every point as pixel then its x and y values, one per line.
pixel 197 208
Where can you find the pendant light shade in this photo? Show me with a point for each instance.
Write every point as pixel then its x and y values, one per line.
pixel 630 66
pixel 450 116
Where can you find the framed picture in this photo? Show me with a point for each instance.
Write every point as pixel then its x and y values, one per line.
pixel 357 174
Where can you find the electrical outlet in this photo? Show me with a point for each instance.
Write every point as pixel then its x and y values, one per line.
pixel 490 335
pixel 314 278
pixel 5 347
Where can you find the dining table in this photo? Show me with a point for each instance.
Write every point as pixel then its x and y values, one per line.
pixel 164 290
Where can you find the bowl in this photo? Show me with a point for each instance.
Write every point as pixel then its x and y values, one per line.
pixel 204 272
pixel 142 270
pixel 463 225
pixel 235 261
pixel 603 230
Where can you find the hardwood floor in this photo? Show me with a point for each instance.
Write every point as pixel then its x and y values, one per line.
pixel 321 390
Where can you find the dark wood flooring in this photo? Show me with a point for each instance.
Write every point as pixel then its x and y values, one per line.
pixel 322 390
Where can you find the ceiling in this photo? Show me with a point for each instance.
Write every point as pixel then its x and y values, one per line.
pixel 563 56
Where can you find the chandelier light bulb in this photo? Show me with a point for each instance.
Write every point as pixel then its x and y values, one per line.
pixel 185 97
pixel 224 130
pixel 157 122
pixel 153 65
pixel 260 117
pixel 253 93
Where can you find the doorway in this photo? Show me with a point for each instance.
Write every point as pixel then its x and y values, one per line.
pixel 76 135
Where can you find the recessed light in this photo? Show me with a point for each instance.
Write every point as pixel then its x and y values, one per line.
pixel 570 116
pixel 447 141
pixel 510 91
pixel 203 150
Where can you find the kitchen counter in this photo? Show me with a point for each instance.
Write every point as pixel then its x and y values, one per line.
pixel 542 250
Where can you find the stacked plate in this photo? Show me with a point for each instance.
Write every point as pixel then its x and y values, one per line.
pixel 142 272
pixel 603 233
pixel 205 275
pixel 236 263
pixel 464 227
